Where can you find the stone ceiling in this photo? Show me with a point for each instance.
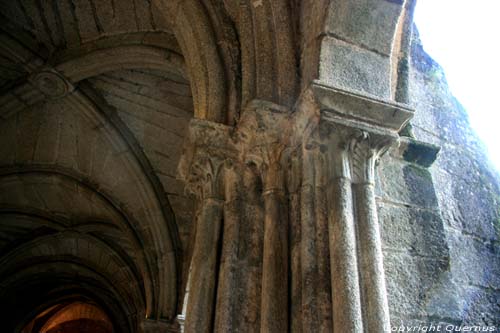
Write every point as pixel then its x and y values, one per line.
pixel 94 104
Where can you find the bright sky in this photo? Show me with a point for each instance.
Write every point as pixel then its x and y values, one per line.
pixel 463 36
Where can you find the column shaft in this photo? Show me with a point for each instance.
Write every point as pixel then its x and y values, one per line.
pixel 199 316
pixel 228 307
pixel 343 259
pixel 323 250
pixel 376 308
pixel 309 260
pixel 274 302
pixel 296 264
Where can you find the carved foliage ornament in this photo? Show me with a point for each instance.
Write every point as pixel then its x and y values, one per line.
pixel 365 150
pixel 206 178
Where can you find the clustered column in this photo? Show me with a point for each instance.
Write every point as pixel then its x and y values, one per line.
pixel 330 276
pixel 357 273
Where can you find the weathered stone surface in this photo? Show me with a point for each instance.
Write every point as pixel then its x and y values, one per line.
pixel 406 183
pixel 412 230
pixel 275 209
pixel 410 281
pixel 461 220
pixel 346 66
pixel 368 23
pixel 421 153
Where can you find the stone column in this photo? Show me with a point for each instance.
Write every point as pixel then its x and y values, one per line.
pixel 346 298
pixel 353 131
pixel 274 301
pixel 294 185
pixel 204 261
pixel 228 307
pixel 315 258
pixel 365 150
pixel 262 135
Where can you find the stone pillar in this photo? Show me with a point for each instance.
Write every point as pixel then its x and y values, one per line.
pixel 315 258
pixel 346 297
pixel 294 185
pixel 351 131
pixel 262 135
pixel 241 255
pixel 204 261
pixel 202 166
pixel 274 299
pixel 365 150
pixel 228 307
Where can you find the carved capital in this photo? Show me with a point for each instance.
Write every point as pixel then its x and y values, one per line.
pixel 365 150
pixel 347 152
pixel 263 136
pixel 206 178
pixel 350 130
pixel 269 162
pixel 207 150
pixel 328 145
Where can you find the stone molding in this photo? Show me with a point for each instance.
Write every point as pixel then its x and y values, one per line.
pixel 356 110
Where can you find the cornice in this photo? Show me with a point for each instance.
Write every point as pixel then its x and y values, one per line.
pixel 356 110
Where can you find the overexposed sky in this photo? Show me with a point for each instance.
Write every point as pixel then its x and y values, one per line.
pixel 463 37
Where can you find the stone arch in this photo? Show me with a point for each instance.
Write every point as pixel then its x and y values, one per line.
pixel 268 50
pixel 103 60
pixel 356 46
pixel 209 46
pixel 77 311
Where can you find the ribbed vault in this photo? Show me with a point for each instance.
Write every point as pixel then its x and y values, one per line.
pixel 95 100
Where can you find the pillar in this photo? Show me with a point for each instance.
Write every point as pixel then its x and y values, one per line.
pixel 274 299
pixel 365 150
pixel 204 261
pixel 345 280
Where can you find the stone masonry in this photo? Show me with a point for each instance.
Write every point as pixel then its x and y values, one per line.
pixel 237 166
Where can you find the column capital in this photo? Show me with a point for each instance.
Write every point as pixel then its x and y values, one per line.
pixel 263 136
pixel 208 149
pixel 365 150
pixel 350 130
